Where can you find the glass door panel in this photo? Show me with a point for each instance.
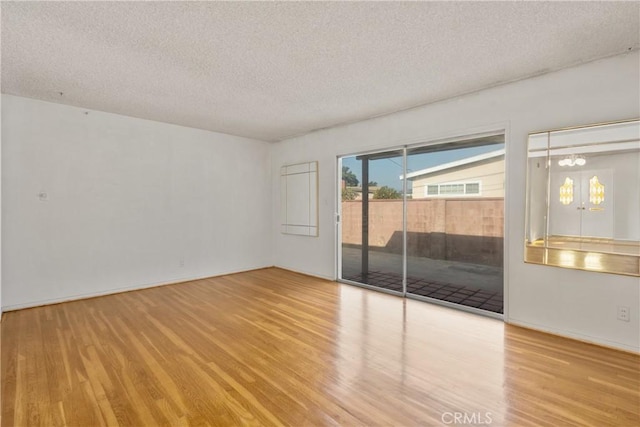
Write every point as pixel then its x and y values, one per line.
pixel 455 222
pixel 372 220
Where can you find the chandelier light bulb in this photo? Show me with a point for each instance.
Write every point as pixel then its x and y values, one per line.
pixel 572 161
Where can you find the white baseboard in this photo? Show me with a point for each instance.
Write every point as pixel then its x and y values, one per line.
pixel 319 276
pixel 576 336
pixel 76 297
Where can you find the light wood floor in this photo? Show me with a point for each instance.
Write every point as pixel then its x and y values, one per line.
pixel 271 347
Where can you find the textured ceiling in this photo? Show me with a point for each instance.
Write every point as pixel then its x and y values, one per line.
pixel 276 69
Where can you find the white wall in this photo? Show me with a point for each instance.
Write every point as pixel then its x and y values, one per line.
pixel 625 192
pixel 1 310
pixel 568 302
pixel 128 202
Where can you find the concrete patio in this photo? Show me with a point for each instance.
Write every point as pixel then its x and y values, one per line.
pixel 472 285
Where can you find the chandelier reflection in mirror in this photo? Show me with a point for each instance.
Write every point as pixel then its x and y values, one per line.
pixel 583 198
pixel 572 160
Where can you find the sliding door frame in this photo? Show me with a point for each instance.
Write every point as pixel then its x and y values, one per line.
pixel 338 274
pixel 404 148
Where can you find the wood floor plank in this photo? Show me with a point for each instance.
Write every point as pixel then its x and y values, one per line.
pixel 276 348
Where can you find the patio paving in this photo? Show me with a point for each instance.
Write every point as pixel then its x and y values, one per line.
pixel 472 285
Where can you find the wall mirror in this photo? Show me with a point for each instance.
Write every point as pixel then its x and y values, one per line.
pixel 583 198
pixel 299 199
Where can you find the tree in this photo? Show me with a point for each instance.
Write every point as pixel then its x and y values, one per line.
pixel 387 193
pixel 349 177
pixel 348 194
pixel 373 184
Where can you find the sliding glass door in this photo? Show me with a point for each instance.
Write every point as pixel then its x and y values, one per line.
pixel 372 212
pixel 455 223
pixel 431 230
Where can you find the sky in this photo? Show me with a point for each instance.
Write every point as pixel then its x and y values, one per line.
pixel 387 171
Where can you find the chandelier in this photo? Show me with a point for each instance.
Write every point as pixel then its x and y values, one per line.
pixel 572 160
